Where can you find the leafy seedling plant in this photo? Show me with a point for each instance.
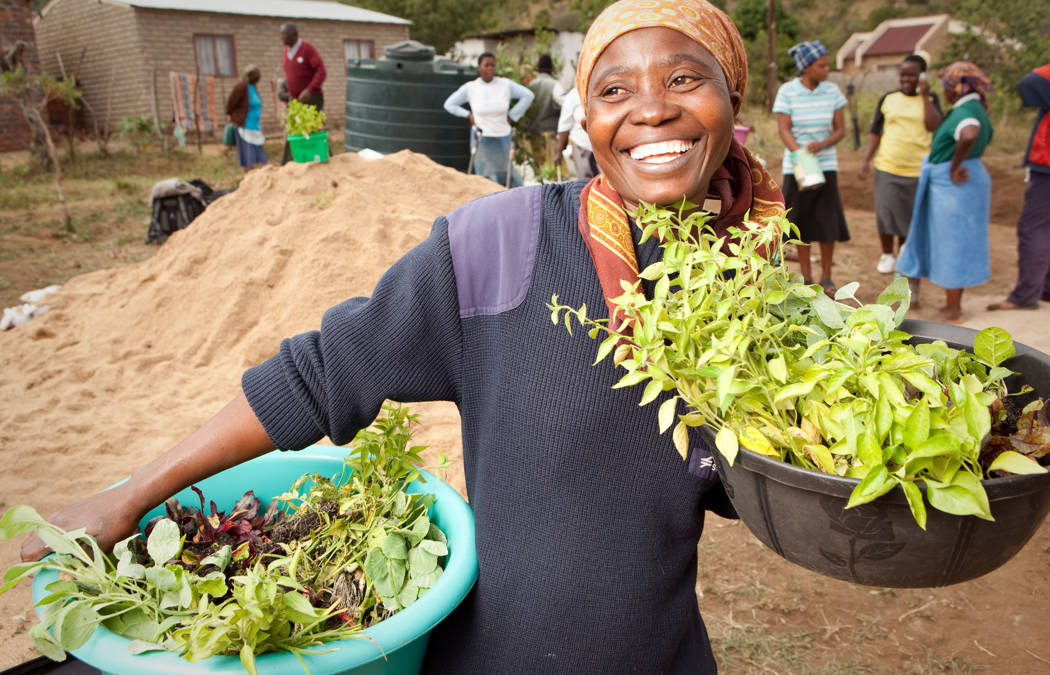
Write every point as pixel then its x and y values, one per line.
pixel 353 550
pixel 303 119
pixel 776 366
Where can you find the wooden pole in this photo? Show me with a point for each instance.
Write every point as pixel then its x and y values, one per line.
pixel 196 113
pixel 156 108
pixel 771 54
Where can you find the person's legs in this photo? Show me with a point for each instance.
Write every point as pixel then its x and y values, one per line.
pixel 491 159
pixel 1033 244
pixel 827 253
pixel 802 250
pixel 952 311
pixel 886 242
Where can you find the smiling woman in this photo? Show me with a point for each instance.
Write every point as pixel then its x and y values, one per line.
pixel 587 519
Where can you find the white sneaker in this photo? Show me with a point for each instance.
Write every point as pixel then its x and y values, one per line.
pixel 886 263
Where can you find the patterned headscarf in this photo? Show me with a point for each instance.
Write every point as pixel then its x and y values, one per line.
pixel 964 77
pixel 805 53
pixel 698 19
pixel 741 183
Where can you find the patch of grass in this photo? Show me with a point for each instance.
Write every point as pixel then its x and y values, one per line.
pixel 954 664
pixel 120 185
pixel 750 649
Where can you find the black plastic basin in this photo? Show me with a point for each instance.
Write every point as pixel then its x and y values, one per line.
pixel 800 513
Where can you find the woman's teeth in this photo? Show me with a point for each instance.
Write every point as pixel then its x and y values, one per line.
pixel 660 153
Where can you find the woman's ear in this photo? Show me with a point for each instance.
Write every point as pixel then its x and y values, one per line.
pixel 737 100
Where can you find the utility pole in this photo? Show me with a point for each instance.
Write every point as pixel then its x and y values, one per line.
pixel 771 54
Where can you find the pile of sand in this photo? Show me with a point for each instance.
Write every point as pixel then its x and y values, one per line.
pixel 128 361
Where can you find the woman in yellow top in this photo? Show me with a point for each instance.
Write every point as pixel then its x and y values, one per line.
pixel 900 137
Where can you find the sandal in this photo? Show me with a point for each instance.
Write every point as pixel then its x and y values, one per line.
pixel 829 287
pixel 1006 304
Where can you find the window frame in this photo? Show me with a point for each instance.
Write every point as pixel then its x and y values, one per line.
pixel 371 47
pixel 214 37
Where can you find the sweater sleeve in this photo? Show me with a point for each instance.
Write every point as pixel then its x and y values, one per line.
pixel 524 96
pixel 403 344
pixel 456 102
pixel 315 61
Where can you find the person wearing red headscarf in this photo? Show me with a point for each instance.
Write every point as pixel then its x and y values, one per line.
pixel 586 518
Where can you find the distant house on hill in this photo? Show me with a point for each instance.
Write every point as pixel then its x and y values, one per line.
pixel 122 51
pixel 16 25
pixel 883 48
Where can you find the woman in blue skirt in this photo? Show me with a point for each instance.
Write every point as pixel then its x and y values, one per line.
pixel 948 238
pixel 244 106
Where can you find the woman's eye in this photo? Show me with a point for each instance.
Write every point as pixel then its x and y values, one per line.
pixel 612 91
pixel 681 80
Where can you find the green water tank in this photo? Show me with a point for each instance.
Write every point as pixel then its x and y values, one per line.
pixel 395 103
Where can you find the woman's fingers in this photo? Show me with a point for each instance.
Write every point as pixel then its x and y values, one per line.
pixel 104 515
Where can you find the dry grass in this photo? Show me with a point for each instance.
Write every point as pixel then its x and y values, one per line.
pixel 108 198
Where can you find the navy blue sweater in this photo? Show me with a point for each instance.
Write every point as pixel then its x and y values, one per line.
pixel 587 518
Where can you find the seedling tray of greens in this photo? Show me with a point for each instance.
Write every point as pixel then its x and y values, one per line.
pixel 776 367
pixel 327 559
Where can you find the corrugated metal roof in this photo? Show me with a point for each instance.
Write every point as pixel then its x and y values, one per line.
pixel 898 40
pixel 286 9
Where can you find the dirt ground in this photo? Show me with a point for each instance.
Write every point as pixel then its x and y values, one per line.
pixel 763 613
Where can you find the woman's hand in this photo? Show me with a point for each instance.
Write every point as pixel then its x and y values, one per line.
pixel 470 118
pixel 106 515
pixel 814 147
pixel 863 170
pixel 232 436
pixel 959 174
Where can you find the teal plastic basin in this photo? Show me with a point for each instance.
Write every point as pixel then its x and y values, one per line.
pixel 402 638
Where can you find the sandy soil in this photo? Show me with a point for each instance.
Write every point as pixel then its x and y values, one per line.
pixel 130 360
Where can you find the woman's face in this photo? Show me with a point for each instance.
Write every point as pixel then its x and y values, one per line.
pixel 909 77
pixel 253 76
pixel 659 116
pixel 487 68
pixel 819 69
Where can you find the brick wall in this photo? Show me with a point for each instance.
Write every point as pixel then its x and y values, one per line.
pixel 16 23
pixel 257 41
pixel 146 44
pixel 96 43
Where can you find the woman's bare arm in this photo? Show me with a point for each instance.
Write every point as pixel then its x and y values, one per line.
pixel 963 147
pixel 232 436
pixel 784 129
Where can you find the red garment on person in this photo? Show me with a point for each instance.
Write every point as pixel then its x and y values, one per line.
pixel 304 71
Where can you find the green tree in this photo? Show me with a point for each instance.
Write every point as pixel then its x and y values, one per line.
pixel 750 19
pixel 588 10
pixel 438 23
pixel 1013 38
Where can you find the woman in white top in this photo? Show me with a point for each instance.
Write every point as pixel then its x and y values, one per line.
pixel 489 98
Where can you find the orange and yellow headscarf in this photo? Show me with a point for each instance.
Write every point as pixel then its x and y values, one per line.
pixel 742 184
pixel 698 19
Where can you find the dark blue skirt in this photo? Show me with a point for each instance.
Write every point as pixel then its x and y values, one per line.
pixel 249 154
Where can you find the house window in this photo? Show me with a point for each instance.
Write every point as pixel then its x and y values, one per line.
pixel 358 49
pixel 215 55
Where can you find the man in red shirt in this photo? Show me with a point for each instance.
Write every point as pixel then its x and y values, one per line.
pixel 304 72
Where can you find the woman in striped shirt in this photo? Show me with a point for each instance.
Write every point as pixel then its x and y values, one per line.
pixel 809 116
